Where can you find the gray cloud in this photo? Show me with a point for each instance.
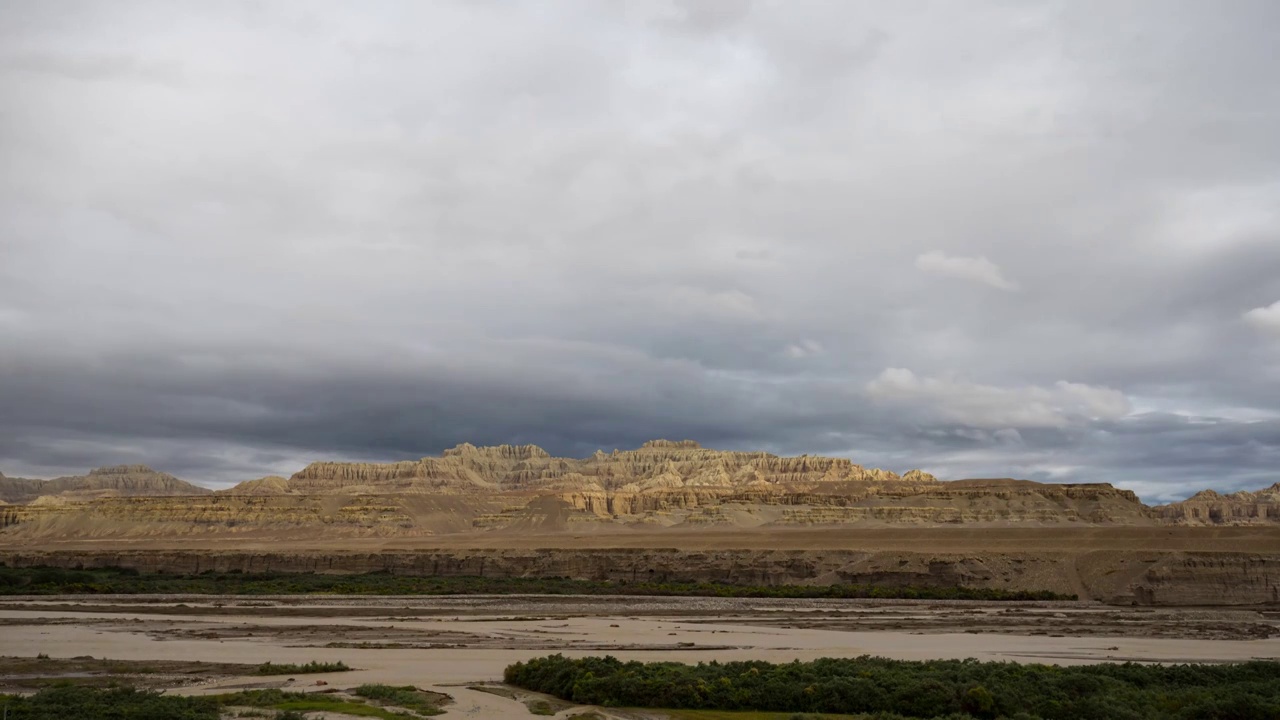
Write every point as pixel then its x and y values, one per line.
pixel 234 238
pixel 1266 319
pixel 989 407
pixel 979 269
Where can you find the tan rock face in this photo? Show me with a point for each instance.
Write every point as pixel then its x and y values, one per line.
pixel 121 480
pixel 510 488
pixel 18 490
pixel 1239 508
pixel 519 489
pixel 658 464
pixel 662 475
pixel 270 485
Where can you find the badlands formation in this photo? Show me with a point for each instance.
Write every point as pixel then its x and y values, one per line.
pixel 102 482
pixel 670 510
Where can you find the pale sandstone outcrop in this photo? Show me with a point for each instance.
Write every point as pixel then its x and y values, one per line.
pixel 269 485
pixel 372 511
pixel 658 465
pixel 517 488
pixel 1211 508
pixel 511 488
pixel 19 490
pixel 119 480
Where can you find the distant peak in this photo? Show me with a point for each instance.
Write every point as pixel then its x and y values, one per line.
pixel 523 452
pixel 679 444
pixel 1206 495
pixel 123 470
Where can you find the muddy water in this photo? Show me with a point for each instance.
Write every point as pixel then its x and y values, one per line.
pixel 504 633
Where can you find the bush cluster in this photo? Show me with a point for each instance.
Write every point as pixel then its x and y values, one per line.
pixel 928 689
pixel 270 668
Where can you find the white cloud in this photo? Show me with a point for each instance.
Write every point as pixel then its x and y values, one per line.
pixel 1265 318
pixel 803 349
pixel 11 316
pixel 951 400
pixel 973 269
pixel 1205 221
pixel 1008 435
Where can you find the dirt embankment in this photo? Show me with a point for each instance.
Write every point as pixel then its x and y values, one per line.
pixel 1121 577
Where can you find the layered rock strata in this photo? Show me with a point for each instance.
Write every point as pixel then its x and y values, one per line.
pixel 990 503
pixel 1211 508
pixel 522 488
pixel 657 464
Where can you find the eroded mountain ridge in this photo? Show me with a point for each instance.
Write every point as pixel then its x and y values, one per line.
pixel 101 482
pixel 523 488
pixel 658 464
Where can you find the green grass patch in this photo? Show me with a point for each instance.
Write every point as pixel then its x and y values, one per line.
pixel 68 702
pixel 26 673
pixel 303 703
pixel 336 705
pixel 417 703
pixel 405 696
pixel 75 702
pixel 541 707
pixel 63 581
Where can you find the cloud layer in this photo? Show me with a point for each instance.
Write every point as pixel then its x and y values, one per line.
pixel 979 269
pixel 1266 319
pixel 949 400
pixel 234 238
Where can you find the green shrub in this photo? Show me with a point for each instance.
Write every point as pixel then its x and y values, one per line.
pixel 928 689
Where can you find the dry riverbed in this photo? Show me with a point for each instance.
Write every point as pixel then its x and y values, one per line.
pixel 460 645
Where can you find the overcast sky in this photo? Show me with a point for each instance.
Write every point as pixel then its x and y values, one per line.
pixel 1030 239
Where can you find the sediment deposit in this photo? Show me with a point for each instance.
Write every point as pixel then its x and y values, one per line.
pixel 450 645
pixel 1183 569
